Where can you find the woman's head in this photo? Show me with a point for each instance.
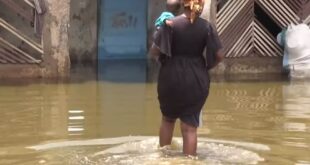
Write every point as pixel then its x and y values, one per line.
pixel 195 7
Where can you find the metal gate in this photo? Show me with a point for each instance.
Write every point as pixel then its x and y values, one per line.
pixel 249 27
pixel 10 53
pixel 123 29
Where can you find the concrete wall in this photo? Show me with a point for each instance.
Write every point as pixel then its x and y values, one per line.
pixel 83 30
pixel 20 71
pixel 56 39
pixel 249 65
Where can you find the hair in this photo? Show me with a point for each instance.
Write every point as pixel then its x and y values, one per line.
pixel 195 8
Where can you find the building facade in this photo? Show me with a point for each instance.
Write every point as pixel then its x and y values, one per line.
pixel 85 31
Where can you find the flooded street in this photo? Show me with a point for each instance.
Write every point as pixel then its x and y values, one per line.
pixel 113 117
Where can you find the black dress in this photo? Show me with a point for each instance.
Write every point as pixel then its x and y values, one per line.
pixel 183 83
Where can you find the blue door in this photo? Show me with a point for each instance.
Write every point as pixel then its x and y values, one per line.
pixel 123 29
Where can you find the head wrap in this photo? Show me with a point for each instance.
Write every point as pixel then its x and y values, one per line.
pixel 195 6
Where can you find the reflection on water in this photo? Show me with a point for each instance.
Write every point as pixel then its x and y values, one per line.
pixel 121 100
pixel 123 71
pixel 296 100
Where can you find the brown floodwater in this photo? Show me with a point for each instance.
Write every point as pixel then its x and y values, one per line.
pixel 111 116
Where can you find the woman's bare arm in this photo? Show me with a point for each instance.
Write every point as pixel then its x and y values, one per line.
pixel 219 58
pixel 154 52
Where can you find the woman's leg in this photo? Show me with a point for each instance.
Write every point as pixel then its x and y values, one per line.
pixel 166 131
pixel 189 134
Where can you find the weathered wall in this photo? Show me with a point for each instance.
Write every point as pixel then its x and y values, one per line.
pixel 83 30
pixel 249 65
pixel 20 71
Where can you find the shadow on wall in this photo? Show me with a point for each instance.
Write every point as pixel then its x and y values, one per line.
pixel 83 31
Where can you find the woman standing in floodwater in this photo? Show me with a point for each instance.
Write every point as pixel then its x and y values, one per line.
pixel 183 83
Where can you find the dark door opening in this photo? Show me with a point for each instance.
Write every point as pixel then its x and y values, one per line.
pixel 265 19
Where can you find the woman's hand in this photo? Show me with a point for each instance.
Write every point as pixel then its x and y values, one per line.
pixel 154 52
pixel 169 22
pixel 219 57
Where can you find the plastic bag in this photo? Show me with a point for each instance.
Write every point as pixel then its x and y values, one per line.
pixel 298 46
pixel 296 50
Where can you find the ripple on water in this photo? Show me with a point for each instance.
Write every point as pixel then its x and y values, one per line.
pixel 146 152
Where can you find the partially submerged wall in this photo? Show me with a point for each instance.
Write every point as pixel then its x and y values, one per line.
pixel 55 38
